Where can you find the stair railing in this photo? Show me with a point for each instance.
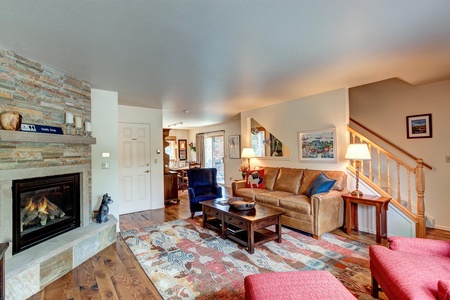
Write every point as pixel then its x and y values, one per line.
pixel 377 173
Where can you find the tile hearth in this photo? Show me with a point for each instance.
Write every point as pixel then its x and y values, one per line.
pixel 31 270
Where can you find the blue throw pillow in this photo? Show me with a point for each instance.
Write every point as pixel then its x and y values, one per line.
pixel 322 184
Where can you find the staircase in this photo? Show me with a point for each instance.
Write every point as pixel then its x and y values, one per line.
pixel 391 176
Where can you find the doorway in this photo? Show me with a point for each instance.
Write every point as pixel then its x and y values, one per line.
pixel 214 154
pixel 134 167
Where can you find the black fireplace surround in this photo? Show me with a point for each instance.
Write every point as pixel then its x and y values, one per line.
pixel 43 208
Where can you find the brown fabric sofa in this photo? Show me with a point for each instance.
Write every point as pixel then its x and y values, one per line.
pixel 286 188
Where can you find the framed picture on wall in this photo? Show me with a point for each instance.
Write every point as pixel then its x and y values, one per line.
pixel 317 145
pixel 182 149
pixel 234 146
pixel 419 126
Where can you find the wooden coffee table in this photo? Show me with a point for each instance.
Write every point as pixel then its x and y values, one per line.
pixel 246 227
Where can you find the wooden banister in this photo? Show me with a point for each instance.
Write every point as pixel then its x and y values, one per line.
pixel 397 187
pixel 389 143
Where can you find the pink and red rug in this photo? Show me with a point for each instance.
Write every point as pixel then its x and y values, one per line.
pixel 186 261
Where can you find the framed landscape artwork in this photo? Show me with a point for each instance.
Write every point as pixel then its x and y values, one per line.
pixel 317 145
pixel 419 126
pixel 234 146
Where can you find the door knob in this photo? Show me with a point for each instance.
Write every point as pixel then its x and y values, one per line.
pixel 147 171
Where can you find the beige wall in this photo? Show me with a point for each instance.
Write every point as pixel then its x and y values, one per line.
pixel 105 103
pixel 383 107
pixel 231 166
pixel 285 120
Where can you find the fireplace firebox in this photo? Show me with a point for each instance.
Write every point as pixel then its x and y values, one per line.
pixel 43 208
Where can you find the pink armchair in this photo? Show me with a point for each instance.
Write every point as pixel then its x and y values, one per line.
pixel 412 268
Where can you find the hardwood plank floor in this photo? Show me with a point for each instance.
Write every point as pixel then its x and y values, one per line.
pixel 114 273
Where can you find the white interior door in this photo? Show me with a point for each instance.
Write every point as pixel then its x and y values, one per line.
pixel 134 167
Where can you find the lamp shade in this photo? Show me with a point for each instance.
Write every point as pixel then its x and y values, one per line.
pixel 357 152
pixel 248 153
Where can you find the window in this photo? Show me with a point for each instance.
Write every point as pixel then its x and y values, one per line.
pixel 170 150
pixel 258 143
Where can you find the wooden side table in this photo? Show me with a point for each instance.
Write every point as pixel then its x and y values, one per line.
pixel 3 247
pixel 351 207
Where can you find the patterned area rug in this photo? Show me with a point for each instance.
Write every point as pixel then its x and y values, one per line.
pixel 186 261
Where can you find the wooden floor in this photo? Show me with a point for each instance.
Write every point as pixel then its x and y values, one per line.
pixel 114 273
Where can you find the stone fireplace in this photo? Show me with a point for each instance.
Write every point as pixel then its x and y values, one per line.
pixel 32 269
pixel 42 96
pixel 44 207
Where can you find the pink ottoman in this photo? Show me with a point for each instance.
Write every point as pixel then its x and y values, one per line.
pixel 295 285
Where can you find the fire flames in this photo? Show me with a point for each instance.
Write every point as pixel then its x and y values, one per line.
pixel 41 209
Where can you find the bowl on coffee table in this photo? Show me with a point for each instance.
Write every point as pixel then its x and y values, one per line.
pixel 241 203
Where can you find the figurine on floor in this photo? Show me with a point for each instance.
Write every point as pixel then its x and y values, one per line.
pixel 103 211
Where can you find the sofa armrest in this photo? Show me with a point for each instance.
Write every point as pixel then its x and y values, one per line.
pixel 420 246
pixel 235 185
pixel 328 210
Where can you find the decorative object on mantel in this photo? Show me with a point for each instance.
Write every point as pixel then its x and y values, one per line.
pixel 10 120
pixel 69 123
pixel 103 211
pixel 41 128
pixel 88 128
pixel 78 125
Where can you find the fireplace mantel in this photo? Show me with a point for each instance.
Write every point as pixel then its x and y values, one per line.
pixel 21 136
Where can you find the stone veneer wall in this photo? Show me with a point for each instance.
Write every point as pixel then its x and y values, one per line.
pixel 42 96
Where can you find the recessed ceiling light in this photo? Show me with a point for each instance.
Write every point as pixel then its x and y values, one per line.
pixel 186 111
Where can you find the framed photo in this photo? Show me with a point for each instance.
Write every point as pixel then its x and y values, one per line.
pixel 419 126
pixel 182 149
pixel 317 145
pixel 276 147
pixel 234 146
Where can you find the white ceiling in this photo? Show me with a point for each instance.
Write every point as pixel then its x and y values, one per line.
pixel 216 58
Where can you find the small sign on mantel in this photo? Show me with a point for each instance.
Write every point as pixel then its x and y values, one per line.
pixel 41 128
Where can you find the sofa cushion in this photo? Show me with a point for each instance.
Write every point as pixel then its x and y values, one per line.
pixel 298 203
pixel 270 175
pixel 249 192
pixel 255 179
pixel 271 198
pixel 310 175
pixel 288 180
pixel 444 289
pixel 321 184
pixel 307 285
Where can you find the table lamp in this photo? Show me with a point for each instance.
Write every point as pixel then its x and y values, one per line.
pixel 248 153
pixel 357 153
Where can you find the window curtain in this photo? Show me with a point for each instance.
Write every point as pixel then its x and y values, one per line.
pixel 200 144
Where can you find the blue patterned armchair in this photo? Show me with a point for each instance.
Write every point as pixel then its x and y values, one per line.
pixel 202 186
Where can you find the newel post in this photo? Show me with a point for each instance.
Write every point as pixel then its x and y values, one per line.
pixel 421 228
